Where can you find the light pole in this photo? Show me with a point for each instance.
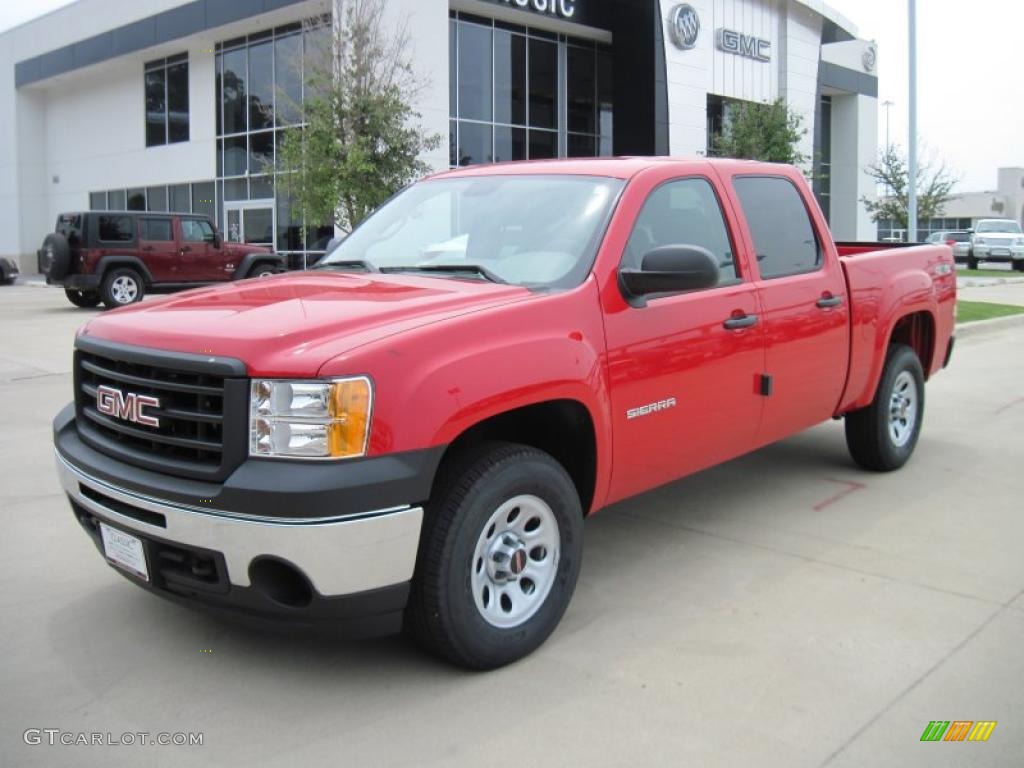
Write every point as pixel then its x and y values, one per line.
pixel 887 105
pixel 912 143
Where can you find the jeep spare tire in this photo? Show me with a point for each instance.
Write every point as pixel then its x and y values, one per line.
pixel 55 257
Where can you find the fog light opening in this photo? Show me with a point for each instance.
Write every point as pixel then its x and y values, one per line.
pixel 281 582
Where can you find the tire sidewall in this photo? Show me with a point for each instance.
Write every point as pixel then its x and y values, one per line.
pixel 56 256
pixel 108 283
pixel 528 476
pixel 901 358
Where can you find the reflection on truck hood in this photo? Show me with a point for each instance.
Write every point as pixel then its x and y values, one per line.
pixel 291 325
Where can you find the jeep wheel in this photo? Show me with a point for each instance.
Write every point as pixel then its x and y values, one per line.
pixel 55 256
pixel 122 287
pixel 85 299
pixel 882 436
pixel 263 270
pixel 499 556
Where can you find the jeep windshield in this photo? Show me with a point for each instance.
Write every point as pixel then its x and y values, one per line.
pixel 1000 227
pixel 534 231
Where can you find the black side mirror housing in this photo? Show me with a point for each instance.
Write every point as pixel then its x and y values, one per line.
pixel 670 269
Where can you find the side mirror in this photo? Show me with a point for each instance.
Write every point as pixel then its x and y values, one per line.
pixel 216 239
pixel 670 269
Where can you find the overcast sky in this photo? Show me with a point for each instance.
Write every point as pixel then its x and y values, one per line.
pixel 970 75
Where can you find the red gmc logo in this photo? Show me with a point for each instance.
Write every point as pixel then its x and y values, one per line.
pixel 127 406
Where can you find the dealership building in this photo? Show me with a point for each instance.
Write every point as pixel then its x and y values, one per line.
pixel 172 105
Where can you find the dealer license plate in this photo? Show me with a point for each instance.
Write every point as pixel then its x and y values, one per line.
pixel 125 551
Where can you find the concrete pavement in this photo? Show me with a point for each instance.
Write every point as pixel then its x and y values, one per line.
pixel 785 609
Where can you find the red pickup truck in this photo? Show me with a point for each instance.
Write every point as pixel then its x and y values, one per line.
pixel 414 432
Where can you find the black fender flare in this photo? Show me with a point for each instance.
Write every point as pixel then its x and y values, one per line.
pixel 113 261
pixel 257 257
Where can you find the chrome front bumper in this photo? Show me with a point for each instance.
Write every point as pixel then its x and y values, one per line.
pixel 340 556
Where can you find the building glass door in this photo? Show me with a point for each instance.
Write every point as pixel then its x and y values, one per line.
pixel 250 222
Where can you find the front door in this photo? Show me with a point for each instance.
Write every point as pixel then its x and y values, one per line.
pixel 684 368
pixel 251 222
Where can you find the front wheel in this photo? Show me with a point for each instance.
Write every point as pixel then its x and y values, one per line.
pixel 122 287
pixel 883 436
pixel 499 556
pixel 1018 265
pixel 84 299
pixel 972 262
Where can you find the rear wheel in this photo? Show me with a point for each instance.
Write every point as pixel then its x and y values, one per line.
pixel 972 263
pixel 122 287
pixel 85 299
pixel 883 436
pixel 1018 265
pixel 499 556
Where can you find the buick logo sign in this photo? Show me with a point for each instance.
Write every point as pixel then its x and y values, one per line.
pixel 684 26
pixel 126 405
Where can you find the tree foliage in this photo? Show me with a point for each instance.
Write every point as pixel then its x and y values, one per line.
pixel 361 141
pixel 762 131
pixel 934 188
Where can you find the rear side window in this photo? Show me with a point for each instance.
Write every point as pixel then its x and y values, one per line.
pixel 959 237
pixel 683 212
pixel 780 226
pixel 196 230
pixel 70 225
pixel 155 230
pixel 115 229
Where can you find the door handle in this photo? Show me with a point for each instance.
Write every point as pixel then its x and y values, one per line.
pixel 739 323
pixel 826 302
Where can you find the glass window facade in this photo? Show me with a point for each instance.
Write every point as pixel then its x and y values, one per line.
pixel 197 197
pixel 166 88
pixel 260 89
pixel 518 93
pixel 890 230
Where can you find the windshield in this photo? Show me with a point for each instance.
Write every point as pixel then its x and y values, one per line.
pixel 534 231
pixel 1011 227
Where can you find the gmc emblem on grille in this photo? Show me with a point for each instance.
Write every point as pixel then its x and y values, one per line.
pixel 126 405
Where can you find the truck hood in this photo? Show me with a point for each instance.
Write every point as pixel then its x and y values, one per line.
pixel 291 325
pixel 1003 238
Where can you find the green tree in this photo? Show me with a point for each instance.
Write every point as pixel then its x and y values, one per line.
pixel 361 141
pixel 762 131
pixel 935 185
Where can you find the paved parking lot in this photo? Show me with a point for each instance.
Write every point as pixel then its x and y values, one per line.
pixel 785 609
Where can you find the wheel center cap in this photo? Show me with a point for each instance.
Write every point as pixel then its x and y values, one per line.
pixel 507 558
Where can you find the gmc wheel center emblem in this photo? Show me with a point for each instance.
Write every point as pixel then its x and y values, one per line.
pixel 126 405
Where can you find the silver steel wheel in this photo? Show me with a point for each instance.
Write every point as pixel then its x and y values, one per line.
pixel 124 289
pixel 515 562
pixel 902 409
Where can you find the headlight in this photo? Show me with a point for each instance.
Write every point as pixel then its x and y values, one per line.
pixel 1019 241
pixel 310 419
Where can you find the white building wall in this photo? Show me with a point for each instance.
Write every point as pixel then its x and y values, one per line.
pixel 854 128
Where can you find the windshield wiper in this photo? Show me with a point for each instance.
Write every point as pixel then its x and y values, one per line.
pixel 348 264
pixel 475 269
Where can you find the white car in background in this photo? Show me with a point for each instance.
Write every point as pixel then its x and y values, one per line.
pixel 997 240
pixel 958 240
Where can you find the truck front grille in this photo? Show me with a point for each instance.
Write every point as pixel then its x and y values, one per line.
pixel 196 410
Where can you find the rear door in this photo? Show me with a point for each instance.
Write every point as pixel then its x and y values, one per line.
pixel 200 261
pixel 158 248
pixel 684 367
pixel 804 302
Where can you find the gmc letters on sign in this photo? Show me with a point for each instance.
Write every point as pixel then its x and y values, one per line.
pixel 114 402
pixel 731 41
pixel 565 9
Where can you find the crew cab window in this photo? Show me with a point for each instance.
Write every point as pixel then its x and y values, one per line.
pixel 115 229
pixel 683 212
pixel 196 230
pixel 780 226
pixel 155 230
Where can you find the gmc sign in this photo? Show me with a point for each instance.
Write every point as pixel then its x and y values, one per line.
pixel 127 406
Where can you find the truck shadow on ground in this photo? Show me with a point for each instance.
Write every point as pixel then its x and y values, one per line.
pixel 121 627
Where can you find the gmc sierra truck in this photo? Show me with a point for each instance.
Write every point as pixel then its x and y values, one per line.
pixel 413 433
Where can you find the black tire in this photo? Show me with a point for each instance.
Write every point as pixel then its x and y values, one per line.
pixel 263 270
pixel 115 291
pixel 442 615
pixel 1018 266
pixel 84 299
pixel 869 435
pixel 972 263
pixel 55 256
